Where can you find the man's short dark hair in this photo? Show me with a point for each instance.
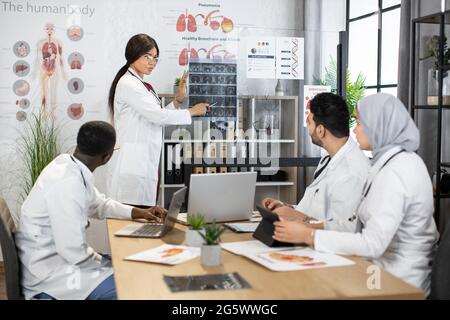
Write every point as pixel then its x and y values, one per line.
pixel 330 110
pixel 96 138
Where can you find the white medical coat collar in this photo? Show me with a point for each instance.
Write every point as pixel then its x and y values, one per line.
pixel 334 162
pixel 382 160
pixel 341 152
pixel 141 80
pixel 87 174
pixel 135 73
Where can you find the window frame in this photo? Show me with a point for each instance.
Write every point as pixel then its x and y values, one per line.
pixel 379 12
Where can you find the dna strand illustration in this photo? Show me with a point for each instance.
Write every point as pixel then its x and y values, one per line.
pixel 295 58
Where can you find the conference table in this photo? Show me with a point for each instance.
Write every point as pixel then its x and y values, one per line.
pixel 140 280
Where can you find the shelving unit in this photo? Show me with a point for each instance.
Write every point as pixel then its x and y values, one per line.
pixel 419 104
pixel 252 109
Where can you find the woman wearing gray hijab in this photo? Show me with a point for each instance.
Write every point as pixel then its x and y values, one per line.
pixel 396 229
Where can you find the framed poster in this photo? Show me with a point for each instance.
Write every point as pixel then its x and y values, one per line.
pixel 261 57
pixel 309 92
pixel 290 58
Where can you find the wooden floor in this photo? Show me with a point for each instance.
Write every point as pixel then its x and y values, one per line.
pixel 2 283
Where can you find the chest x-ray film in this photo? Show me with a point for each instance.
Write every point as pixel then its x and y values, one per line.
pixel 214 83
pixel 226 281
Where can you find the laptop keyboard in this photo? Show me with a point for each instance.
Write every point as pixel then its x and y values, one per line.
pixel 149 229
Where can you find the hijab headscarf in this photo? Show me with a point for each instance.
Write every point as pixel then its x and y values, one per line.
pixel 387 124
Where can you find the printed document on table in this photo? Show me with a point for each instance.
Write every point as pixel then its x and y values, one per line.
pixel 242 226
pixel 299 259
pixel 166 254
pixel 248 247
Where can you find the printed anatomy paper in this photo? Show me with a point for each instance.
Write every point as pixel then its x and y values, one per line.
pixel 166 254
pixel 298 259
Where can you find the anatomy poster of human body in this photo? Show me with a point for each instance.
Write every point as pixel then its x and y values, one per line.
pixel 50 61
pixel 215 30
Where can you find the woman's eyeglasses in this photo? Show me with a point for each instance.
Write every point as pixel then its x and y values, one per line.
pixel 151 59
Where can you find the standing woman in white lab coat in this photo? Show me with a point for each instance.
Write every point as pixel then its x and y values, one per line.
pixel 395 216
pixel 139 117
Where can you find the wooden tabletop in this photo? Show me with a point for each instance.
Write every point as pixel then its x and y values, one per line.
pixel 139 280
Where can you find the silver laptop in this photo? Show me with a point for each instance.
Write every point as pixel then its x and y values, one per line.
pixel 156 230
pixel 222 196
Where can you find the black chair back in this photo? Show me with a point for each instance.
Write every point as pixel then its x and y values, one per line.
pixel 440 274
pixel 9 251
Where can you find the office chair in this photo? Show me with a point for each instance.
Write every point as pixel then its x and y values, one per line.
pixel 10 258
pixel 440 274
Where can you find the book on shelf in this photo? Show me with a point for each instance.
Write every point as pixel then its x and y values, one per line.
pixel 198 154
pixel 168 173
pixel 178 174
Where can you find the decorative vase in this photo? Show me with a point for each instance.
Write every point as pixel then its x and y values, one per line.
pixel 193 238
pixel 433 88
pixel 211 255
pixel 279 89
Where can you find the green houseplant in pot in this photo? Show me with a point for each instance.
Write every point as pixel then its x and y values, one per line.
pixel 432 47
pixel 211 255
pixel 37 146
pixel 196 223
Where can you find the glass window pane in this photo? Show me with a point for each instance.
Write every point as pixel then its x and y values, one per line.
pixel 392 91
pixel 359 8
pixel 389 47
pixel 362 53
pixel 369 92
pixel 390 3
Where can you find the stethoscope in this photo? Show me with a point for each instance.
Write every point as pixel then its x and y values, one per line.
pixel 151 91
pixel 84 182
pixel 82 176
pixel 366 188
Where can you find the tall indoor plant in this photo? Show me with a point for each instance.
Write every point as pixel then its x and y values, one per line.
pixel 38 146
pixel 355 89
pixel 433 53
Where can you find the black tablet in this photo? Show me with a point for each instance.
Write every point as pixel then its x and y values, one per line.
pixel 265 230
pixel 267 214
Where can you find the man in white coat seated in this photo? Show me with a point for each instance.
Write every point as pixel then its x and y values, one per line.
pixel 332 197
pixel 56 261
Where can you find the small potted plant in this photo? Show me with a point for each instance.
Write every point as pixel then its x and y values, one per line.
pixel 432 46
pixel 193 234
pixel 211 255
pixel 176 85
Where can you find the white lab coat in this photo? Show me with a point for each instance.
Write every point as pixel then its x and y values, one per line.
pixel 334 195
pixel 139 119
pixel 51 237
pixel 399 233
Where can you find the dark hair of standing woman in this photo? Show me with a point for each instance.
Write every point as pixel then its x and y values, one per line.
pixel 137 46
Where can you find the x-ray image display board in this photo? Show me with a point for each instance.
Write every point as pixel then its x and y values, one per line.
pixel 214 83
